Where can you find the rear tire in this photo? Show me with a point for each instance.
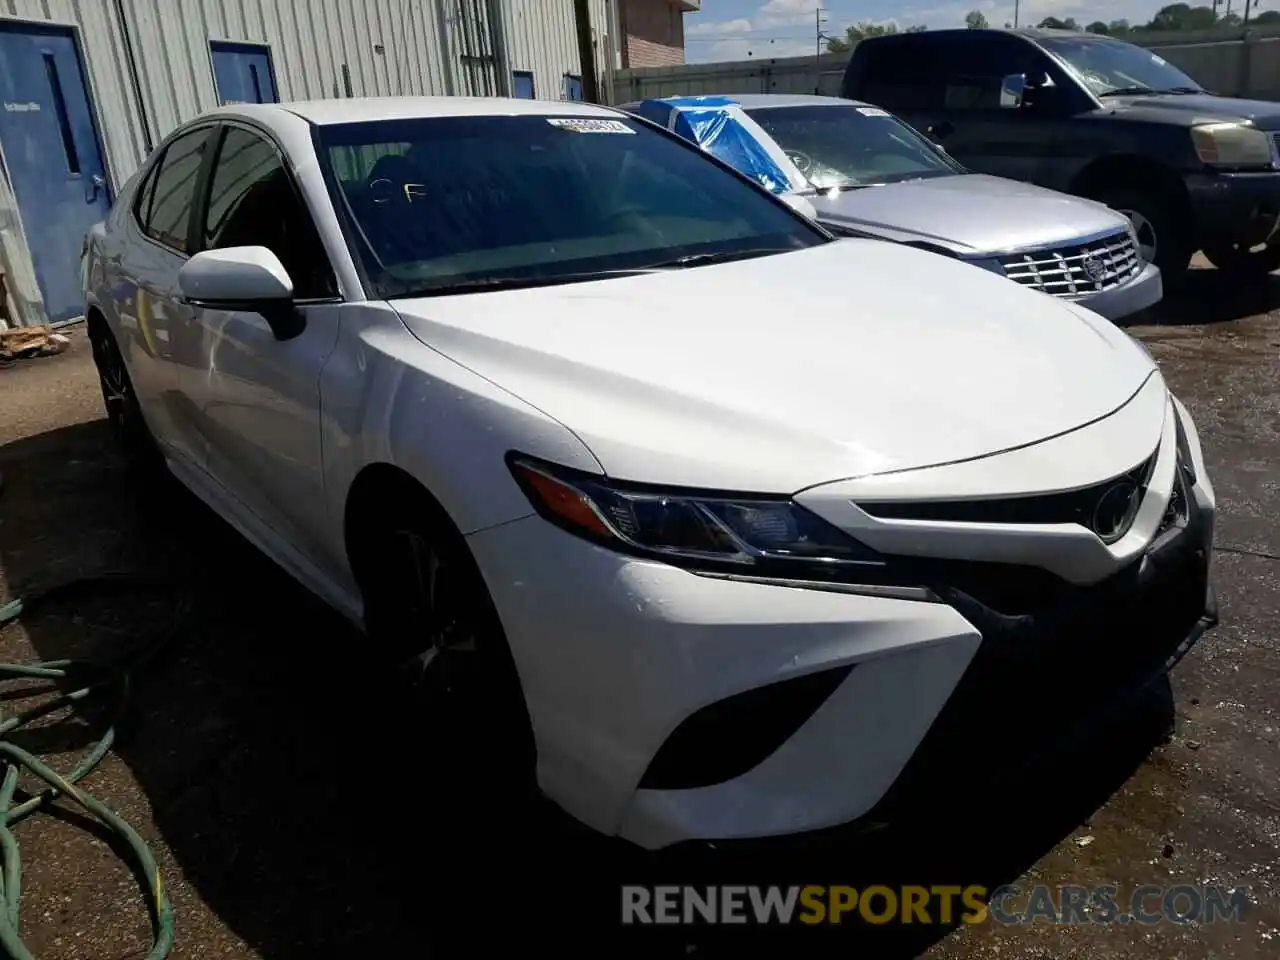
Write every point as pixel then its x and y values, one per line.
pixel 124 412
pixel 1164 237
pixel 430 617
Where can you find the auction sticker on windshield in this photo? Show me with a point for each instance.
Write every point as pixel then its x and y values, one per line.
pixel 872 112
pixel 584 125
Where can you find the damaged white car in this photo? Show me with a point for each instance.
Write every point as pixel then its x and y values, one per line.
pixel 734 528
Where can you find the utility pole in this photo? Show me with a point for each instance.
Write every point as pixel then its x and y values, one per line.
pixel 1017 3
pixel 586 51
pixel 1247 5
pixel 819 18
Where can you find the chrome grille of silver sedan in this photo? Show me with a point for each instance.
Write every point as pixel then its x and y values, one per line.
pixel 1078 270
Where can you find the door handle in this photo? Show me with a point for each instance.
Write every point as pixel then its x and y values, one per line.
pixel 96 183
pixel 943 128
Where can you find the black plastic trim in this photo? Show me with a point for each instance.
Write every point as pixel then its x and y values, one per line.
pixel 723 740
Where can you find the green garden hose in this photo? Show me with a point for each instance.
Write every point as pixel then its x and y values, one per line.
pixel 75 682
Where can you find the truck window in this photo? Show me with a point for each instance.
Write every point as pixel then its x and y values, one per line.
pixel 900 74
pixel 943 71
pixel 976 67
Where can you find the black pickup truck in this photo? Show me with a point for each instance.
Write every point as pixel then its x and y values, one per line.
pixel 1098 118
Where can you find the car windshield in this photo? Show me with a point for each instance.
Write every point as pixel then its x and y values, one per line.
pixel 1111 68
pixel 843 147
pixel 455 204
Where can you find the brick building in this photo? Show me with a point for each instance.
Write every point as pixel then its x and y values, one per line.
pixel 652 31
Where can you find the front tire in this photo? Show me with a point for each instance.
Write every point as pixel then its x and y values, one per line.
pixel 430 617
pixel 1163 235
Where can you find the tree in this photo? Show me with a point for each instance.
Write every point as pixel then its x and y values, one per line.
pixel 1117 27
pixel 916 28
pixel 1098 27
pixel 1269 17
pixel 1183 16
pixel 1053 23
pixel 856 32
pixel 974 20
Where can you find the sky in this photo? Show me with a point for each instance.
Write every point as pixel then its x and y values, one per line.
pixel 732 29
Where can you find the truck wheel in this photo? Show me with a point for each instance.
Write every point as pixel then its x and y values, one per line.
pixel 1163 238
pixel 1245 262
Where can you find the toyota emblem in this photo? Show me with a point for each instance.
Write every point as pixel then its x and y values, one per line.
pixel 1116 509
pixel 1094 269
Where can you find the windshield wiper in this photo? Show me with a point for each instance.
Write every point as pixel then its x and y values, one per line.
pixel 1133 91
pixel 492 284
pixel 724 256
pixel 1128 91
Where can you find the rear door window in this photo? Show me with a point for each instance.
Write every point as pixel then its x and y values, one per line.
pixel 170 194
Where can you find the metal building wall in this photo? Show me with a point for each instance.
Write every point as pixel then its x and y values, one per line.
pixel 319 49
pixel 541 37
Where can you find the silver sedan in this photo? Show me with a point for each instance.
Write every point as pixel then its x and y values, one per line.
pixel 865 172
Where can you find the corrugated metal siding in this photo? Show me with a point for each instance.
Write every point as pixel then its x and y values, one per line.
pixel 541 38
pixel 389 48
pixel 102 47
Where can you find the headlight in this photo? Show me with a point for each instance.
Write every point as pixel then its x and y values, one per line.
pixel 768 536
pixel 1231 145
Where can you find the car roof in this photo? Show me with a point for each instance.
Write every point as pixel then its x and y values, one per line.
pixel 1032 33
pixel 368 109
pixel 761 101
pixel 754 101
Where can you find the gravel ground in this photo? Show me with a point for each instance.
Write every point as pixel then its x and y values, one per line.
pixel 299 808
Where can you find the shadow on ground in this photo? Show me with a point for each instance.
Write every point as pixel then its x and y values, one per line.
pixel 1210 296
pixel 318 813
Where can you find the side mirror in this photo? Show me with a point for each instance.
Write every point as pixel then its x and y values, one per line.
pixel 800 205
pixel 243 278
pixel 1013 91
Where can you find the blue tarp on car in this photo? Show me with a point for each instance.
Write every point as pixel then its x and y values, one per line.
pixel 721 127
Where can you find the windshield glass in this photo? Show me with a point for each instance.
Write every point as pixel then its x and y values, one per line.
pixel 851 146
pixel 1107 66
pixel 459 202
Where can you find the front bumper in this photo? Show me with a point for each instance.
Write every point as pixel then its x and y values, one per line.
pixel 620 657
pixel 1229 208
pixel 1144 290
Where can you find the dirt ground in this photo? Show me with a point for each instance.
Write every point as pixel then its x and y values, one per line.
pixel 299 808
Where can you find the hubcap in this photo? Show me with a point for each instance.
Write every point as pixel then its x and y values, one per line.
pixel 1148 242
pixel 114 381
pixel 434 603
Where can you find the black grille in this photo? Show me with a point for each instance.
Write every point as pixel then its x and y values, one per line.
pixel 1046 673
pixel 727 738
pixel 1073 506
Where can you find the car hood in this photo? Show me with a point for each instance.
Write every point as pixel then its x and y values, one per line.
pixel 967 215
pixel 1197 108
pixel 773 374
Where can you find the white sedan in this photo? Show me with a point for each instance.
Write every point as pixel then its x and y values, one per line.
pixel 730 528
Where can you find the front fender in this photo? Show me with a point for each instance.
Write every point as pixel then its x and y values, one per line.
pixel 388 398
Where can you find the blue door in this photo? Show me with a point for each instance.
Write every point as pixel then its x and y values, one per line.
pixel 242 72
pixel 522 84
pixel 52 152
pixel 572 87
